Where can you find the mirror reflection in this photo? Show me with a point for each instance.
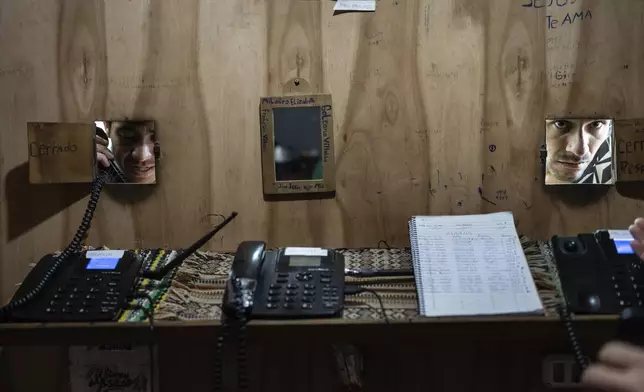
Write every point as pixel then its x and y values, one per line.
pixel 298 144
pixel 579 151
pixel 127 151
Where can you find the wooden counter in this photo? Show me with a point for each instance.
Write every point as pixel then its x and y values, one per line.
pixel 455 354
pixel 329 330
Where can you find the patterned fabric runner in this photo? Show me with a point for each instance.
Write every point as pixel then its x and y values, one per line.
pixel 197 290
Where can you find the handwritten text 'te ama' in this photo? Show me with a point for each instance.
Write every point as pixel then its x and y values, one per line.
pixel 570 18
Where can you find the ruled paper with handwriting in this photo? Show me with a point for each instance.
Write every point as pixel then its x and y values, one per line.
pixel 471 265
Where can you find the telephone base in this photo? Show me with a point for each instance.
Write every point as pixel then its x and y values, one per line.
pixel 82 289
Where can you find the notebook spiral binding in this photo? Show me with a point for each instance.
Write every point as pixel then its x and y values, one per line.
pixel 415 256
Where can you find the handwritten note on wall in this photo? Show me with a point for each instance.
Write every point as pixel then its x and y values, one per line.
pixel 630 149
pixel 355 5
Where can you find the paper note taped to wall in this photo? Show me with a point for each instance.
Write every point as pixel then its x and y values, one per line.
pixel 355 5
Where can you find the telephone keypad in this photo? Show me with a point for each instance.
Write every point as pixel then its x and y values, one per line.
pixel 287 293
pixel 304 276
pixel 76 287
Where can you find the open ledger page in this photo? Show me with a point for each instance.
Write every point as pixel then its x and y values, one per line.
pixel 471 265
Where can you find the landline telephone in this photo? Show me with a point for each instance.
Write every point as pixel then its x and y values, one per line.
pixel 49 268
pixel 87 286
pixel 599 272
pixel 92 286
pixel 287 283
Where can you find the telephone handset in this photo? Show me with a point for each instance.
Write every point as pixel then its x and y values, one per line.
pixel 287 283
pixel 114 172
pixel 242 283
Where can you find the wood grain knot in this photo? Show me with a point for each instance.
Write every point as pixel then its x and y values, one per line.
pixel 392 107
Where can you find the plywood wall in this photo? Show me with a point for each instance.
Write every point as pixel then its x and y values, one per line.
pixel 439 106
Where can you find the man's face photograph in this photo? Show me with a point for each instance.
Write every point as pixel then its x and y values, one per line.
pixel 579 151
pixel 131 148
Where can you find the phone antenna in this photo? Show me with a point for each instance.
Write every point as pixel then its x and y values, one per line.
pixel 163 271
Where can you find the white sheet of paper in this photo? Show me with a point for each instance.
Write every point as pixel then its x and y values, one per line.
pixel 294 251
pixel 471 265
pixel 94 369
pixel 355 5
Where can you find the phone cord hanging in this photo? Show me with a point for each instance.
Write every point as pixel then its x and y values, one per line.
pixel 580 358
pixel 74 246
pixel 242 362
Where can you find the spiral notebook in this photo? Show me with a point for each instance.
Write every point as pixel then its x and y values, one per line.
pixel 469 265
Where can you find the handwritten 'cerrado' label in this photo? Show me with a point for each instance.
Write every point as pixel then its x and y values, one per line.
pixel 50 149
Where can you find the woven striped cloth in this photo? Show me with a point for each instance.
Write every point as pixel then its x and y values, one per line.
pixel 197 289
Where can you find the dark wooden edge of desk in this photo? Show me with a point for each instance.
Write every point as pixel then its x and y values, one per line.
pixel 331 330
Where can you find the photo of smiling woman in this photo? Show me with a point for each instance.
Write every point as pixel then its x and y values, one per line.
pixel 129 150
pixel 579 151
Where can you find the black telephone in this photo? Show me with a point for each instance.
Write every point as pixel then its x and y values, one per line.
pixel 287 283
pixel 599 273
pixel 90 286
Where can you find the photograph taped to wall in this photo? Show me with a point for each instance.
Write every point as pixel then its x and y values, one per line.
pixel 127 150
pixel 579 151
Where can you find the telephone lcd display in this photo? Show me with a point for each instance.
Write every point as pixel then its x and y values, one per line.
pixel 304 261
pixel 102 263
pixel 623 247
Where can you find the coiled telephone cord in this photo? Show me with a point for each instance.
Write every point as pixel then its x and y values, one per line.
pixel 242 356
pixel 578 353
pixel 74 246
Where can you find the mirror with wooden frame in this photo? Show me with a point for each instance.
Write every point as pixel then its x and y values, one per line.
pixel 297 144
